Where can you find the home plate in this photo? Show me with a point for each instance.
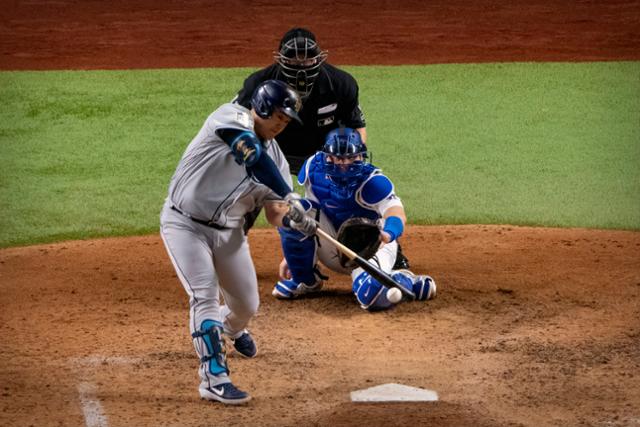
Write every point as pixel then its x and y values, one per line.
pixel 394 393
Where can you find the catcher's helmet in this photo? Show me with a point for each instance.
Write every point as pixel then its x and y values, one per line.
pixel 273 95
pixel 346 146
pixel 300 57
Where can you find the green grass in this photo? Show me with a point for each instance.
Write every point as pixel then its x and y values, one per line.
pixel 529 144
pixel 90 153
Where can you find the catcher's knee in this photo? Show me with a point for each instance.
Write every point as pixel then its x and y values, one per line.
pixel 371 294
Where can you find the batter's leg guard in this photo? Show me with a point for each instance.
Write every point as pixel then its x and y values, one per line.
pixel 371 294
pixel 215 384
pixel 419 288
pixel 300 253
pixel 209 344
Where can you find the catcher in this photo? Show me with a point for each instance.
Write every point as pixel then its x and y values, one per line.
pixel 354 202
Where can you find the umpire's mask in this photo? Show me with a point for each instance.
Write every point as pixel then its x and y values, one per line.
pixel 300 58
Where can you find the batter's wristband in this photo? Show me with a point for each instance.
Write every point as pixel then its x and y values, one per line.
pixel 286 221
pixel 393 225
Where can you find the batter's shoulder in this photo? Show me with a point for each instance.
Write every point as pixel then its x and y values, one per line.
pixel 230 116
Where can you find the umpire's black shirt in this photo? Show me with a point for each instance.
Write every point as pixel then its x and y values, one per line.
pixel 332 102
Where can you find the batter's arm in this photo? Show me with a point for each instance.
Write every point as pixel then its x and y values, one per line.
pixel 275 210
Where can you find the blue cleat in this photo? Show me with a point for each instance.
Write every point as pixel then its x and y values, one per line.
pixel 245 345
pixel 415 287
pixel 225 393
pixel 290 289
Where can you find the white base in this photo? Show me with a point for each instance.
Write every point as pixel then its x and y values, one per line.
pixel 394 393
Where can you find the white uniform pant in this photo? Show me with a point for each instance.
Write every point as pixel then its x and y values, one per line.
pixel 209 262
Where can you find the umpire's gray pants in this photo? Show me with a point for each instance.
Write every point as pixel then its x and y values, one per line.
pixel 209 262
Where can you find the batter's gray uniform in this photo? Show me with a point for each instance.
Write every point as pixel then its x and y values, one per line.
pixel 208 185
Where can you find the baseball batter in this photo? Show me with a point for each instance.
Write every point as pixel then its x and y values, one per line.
pixel 232 166
pixel 342 188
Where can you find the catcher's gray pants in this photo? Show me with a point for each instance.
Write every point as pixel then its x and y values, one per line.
pixel 209 262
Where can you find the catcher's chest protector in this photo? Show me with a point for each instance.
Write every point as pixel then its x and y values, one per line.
pixel 338 206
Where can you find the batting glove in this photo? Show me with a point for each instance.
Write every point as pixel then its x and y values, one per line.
pixel 296 210
pixel 306 226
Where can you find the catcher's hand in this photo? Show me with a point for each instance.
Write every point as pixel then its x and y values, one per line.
pixel 361 235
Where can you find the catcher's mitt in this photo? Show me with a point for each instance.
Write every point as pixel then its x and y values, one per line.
pixel 361 235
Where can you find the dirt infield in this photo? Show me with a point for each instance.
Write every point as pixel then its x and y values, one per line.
pixel 531 326
pixel 71 34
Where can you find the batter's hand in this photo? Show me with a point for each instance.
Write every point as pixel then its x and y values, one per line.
pixel 307 226
pixel 296 210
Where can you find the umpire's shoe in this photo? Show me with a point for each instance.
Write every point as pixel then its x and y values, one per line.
pixel 402 262
pixel 245 345
pixel 226 393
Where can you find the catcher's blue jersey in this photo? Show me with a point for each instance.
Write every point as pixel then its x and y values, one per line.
pixel 364 196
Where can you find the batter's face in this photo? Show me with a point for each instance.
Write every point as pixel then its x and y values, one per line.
pixel 269 128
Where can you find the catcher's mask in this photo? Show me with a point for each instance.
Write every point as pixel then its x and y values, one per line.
pixel 272 95
pixel 300 57
pixel 345 157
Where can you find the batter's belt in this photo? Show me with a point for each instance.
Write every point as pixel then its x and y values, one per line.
pixel 200 221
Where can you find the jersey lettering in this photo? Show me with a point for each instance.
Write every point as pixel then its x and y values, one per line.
pixel 327 108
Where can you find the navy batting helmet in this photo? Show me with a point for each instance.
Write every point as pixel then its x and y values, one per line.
pixel 273 95
pixel 346 146
pixel 300 57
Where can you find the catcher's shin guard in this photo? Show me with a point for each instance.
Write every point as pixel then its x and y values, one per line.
pixel 300 253
pixel 371 294
pixel 209 344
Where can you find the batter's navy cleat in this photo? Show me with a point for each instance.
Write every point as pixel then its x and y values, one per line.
pixel 290 289
pixel 245 345
pixel 226 393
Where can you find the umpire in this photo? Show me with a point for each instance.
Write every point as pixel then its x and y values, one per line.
pixel 329 95
pixel 329 100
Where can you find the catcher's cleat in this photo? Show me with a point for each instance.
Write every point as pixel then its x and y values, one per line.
pixel 290 289
pixel 415 287
pixel 245 345
pixel 402 262
pixel 225 393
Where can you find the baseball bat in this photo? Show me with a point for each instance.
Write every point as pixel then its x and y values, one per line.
pixel 373 270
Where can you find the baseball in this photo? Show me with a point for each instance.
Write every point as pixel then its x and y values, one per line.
pixel 394 295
